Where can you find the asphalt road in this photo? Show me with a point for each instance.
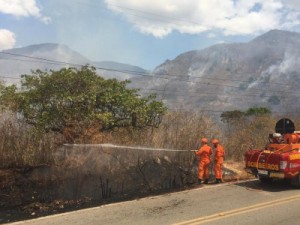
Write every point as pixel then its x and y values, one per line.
pixel 239 203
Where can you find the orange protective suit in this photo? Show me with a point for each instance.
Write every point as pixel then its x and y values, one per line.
pixel 204 154
pixel 219 158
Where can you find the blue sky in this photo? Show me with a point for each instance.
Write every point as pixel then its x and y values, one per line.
pixel 141 32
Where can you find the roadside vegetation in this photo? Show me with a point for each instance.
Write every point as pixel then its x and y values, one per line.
pixel 76 106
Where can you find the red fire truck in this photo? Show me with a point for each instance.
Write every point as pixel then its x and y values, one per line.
pixel 281 157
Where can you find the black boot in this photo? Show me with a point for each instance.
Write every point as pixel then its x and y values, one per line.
pixel 217 181
pixel 205 181
pixel 199 181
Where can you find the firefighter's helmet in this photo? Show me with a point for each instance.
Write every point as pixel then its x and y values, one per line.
pixel 215 141
pixel 204 140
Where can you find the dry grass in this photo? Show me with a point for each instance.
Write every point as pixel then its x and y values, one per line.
pixel 179 130
pixel 21 145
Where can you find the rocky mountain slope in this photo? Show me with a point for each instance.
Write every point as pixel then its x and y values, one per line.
pixel 264 72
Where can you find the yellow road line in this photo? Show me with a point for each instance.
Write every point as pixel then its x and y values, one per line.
pixel 238 211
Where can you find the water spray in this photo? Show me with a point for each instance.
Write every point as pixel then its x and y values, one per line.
pixel 127 147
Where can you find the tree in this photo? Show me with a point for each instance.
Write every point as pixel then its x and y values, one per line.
pixel 233 115
pixel 80 99
pixel 257 111
pixel 236 115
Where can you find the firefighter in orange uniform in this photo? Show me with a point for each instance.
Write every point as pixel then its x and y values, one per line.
pixel 219 158
pixel 204 154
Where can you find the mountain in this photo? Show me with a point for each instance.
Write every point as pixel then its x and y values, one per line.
pixel 264 72
pixel 120 70
pixel 50 56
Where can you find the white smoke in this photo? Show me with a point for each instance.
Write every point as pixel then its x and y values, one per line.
pixel 289 64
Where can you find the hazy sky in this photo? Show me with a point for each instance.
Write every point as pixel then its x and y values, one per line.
pixel 141 32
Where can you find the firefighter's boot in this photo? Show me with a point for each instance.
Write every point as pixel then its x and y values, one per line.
pixel 217 181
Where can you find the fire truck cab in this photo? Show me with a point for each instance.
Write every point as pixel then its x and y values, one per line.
pixel 280 159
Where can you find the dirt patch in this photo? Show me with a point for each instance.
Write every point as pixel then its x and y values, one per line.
pixel 234 171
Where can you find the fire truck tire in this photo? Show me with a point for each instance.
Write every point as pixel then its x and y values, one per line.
pixel 265 179
pixel 296 181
